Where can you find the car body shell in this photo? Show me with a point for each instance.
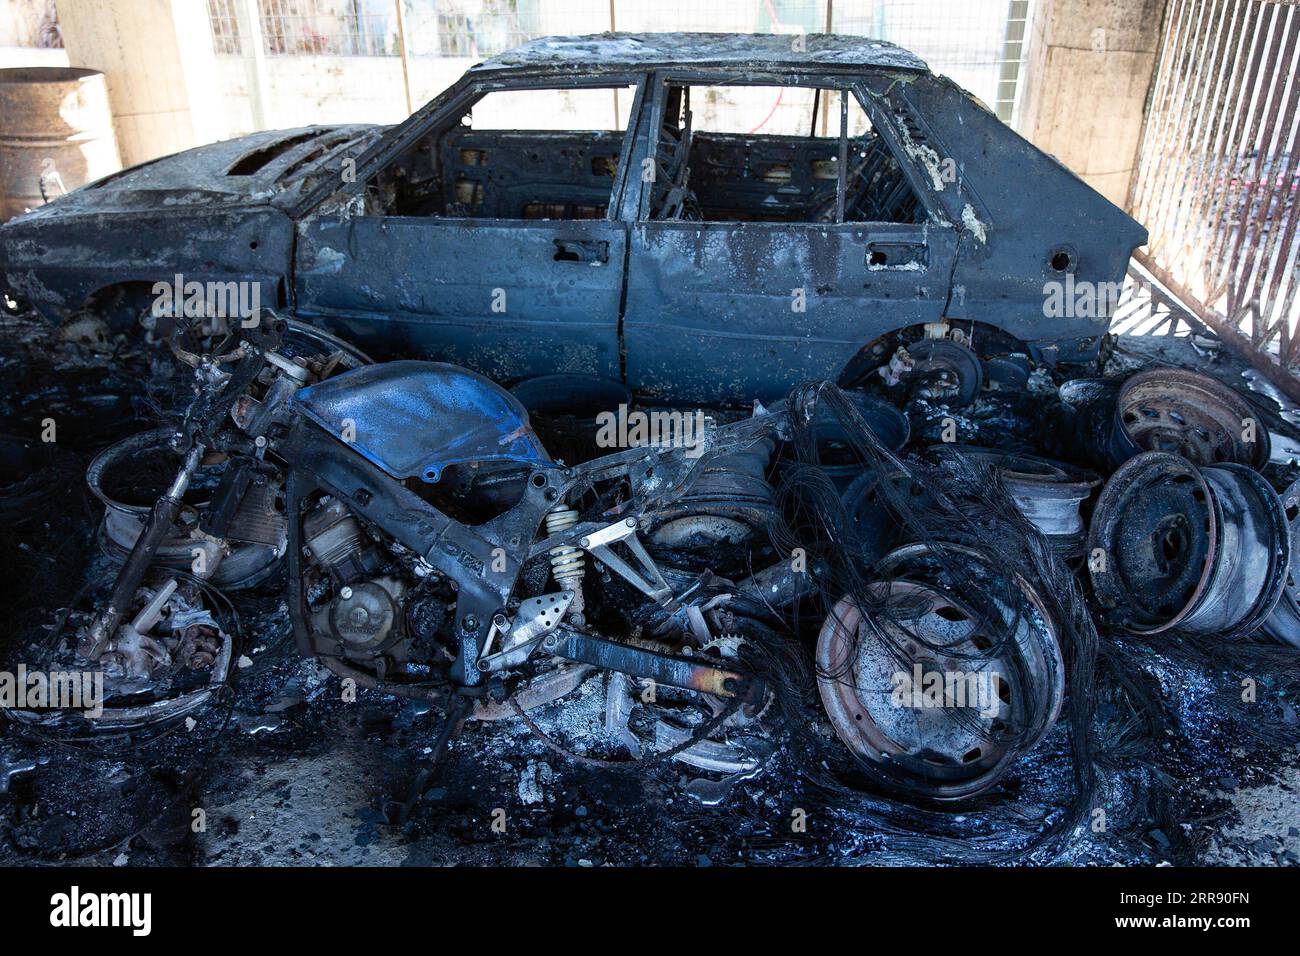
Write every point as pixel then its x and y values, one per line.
pixel 690 311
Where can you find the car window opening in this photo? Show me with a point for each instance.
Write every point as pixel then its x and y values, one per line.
pixel 773 154
pixel 520 154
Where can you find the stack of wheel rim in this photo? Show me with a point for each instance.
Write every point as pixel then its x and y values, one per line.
pixel 1201 550
pixel 1186 413
pixel 1162 409
pixel 1187 536
pixel 914 631
pixel 1048 493
pixel 1283 625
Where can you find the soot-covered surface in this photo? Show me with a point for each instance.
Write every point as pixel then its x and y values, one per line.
pixel 282 771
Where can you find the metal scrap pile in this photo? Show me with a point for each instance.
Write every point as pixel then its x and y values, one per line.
pixel 818 583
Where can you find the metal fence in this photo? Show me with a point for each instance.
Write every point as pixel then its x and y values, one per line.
pixel 1218 177
pixel 979 43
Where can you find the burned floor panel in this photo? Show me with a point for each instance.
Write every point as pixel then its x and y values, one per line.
pixel 1127 747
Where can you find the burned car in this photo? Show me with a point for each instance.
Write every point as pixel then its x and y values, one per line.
pixel 685 250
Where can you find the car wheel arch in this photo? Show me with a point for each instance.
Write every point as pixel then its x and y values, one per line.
pixel 987 338
pixel 119 304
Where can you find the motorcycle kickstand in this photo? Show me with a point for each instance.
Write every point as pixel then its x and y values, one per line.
pixel 456 715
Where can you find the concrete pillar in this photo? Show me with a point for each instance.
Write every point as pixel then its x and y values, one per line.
pixel 249 18
pixel 1088 69
pixel 157 58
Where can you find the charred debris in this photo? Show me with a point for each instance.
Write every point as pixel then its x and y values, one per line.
pixel 959 612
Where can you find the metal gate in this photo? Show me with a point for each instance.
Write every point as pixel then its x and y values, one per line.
pixel 1217 175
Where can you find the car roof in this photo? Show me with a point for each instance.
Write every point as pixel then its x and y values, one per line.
pixel 760 51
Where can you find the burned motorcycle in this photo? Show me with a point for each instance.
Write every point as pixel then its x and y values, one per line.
pixel 434 550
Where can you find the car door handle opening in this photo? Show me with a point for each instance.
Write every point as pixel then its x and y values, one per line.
pixel 897 255
pixel 593 252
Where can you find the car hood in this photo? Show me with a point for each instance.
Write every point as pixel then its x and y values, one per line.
pixel 255 169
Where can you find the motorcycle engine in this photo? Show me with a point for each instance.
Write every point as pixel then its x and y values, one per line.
pixel 365 613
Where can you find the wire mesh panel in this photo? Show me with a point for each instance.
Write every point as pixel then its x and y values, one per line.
pixel 485 27
pixel 973 42
pixel 452 28
pixel 979 43
pixel 364 57
pixel 1219 171
pixel 225 26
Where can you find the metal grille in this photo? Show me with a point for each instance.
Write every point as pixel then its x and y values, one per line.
pixel 979 43
pixel 1217 178
pixel 1144 309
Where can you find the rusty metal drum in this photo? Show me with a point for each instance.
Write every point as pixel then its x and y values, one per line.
pixel 56 133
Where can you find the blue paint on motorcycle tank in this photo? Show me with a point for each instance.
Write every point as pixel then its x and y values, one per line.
pixel 414 419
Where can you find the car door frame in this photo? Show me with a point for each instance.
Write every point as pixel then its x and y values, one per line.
pixel 491 342
pixel 674 355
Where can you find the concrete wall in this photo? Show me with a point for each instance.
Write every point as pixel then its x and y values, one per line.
pixel 1087 75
